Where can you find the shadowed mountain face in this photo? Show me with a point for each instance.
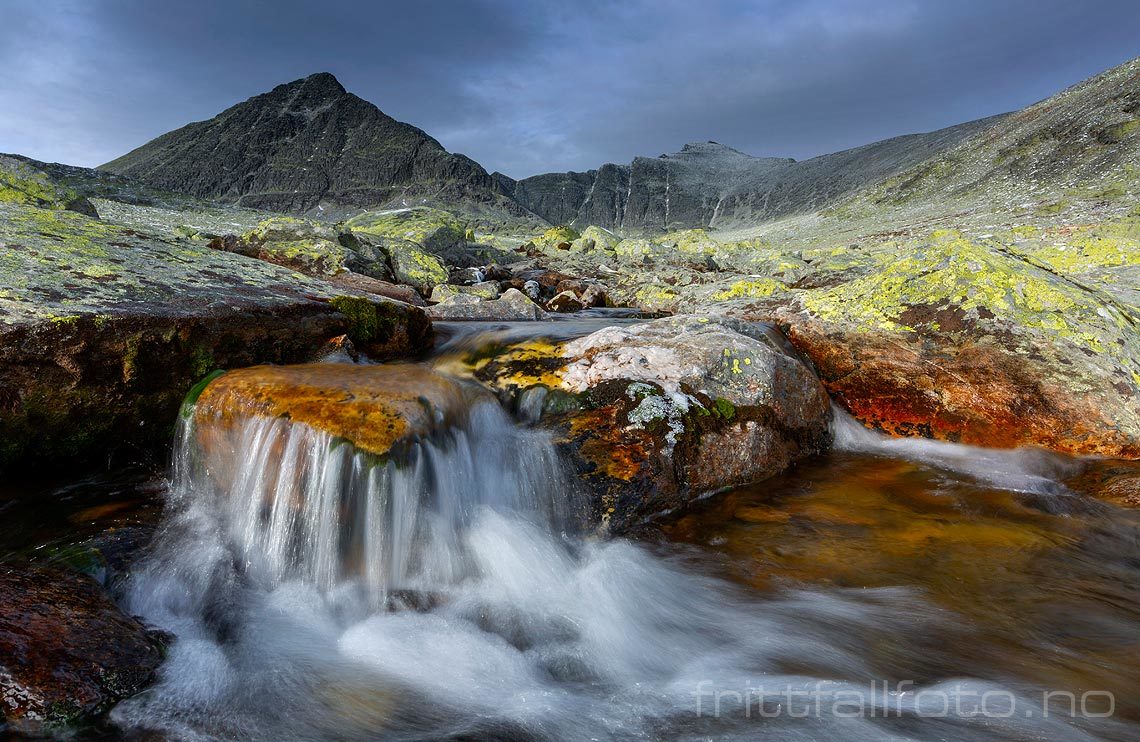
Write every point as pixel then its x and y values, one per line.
pixel 710 185
pixel 304 143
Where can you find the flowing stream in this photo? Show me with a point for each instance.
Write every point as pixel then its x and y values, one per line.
pixel 888 590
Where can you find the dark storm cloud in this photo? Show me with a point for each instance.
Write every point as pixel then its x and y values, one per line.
pixel 526 87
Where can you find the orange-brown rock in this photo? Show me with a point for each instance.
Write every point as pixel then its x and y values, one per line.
pixel 974 390
pixel 373 407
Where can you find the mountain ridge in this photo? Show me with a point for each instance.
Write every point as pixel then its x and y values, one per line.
pixel 708 184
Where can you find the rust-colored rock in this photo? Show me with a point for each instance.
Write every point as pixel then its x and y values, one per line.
pixel 971 390
pixel 66 650
pixel 373 407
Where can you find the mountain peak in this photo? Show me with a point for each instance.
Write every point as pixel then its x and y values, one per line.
pixel 302 143
pixel 323 80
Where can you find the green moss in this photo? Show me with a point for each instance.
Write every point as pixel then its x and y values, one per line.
pixel 724 409
pixel 201 361
pixel 195 392
pixel 362 317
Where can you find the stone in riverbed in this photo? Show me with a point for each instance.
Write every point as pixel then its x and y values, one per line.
pixel 660 413
pixel 566 301
pixel 512 306
pixel 482 289
pixel 67 652
pixel 373 407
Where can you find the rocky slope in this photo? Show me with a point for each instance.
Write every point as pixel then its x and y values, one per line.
pixel 306 144
pixel 707 184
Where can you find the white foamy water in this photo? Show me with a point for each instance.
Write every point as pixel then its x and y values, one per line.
pixel 323 594
pixel 1030 470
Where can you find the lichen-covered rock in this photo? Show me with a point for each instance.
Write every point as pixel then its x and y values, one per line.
pixel 512 306
pixel 414 266
pixel 662 412
pixel 21 182
pixel 967 341
pixel 67 653
pixel 483 290
pixel 418 241
pixel 103 329
pixel 596 238
pixel 312 248
pixel 1019 336
pixel 436 231
pixel 556 236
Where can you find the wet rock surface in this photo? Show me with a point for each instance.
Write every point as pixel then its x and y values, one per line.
pixel 374 407
pixel 659 413
pixel 66 650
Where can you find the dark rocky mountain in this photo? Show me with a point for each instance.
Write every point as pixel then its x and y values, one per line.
pixel 710 185
pixel 305 143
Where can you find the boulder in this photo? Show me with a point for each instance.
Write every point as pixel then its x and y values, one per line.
pixel 308 247
pixel 566 301
pixel 512 306
pixel 366 284
pixel 596 238
pixel 556 237
pixel 21 182
pixel 660 413
pixel 374 407
pixel 67 653
pixel 418 241
pixel 483 290
pixel 594 296
pixel 966 341
pixel 104 328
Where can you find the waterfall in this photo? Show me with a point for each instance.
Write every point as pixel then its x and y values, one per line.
pixel 295 503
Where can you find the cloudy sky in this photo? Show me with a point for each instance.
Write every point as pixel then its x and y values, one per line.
pixel 528 86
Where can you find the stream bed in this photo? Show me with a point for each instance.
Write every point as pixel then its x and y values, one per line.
pixel 884 590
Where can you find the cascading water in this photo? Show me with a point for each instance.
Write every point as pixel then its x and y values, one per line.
pixel 304 506
pixel 318 592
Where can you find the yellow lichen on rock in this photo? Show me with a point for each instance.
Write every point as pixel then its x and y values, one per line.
pixel 373 407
